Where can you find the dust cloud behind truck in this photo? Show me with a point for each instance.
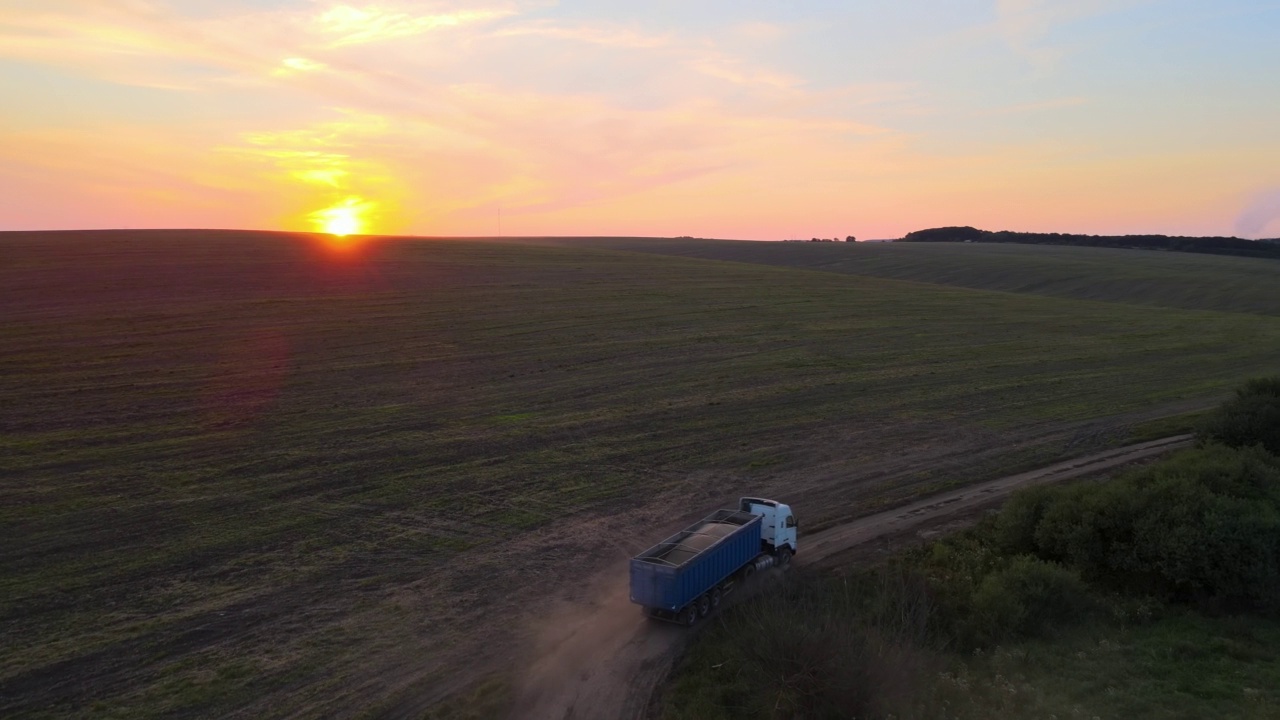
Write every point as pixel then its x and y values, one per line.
pixel 684 577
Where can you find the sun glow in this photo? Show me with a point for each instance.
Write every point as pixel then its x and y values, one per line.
pixel 349 217
pixel 344 222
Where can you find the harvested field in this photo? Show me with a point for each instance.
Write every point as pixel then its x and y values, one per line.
pixel 244 475
pixel 1142 277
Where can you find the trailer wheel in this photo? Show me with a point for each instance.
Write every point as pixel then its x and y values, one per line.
pixel 715 598
pixel 689 616
pixel 749 570
pixel 704 605
pixel 784 557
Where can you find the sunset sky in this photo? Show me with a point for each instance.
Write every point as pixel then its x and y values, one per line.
pixel 715 118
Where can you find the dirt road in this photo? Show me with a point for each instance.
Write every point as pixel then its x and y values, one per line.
pixel 605 659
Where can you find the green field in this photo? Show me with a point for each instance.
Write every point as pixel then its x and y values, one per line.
pixel 241 474
pixel 1143 277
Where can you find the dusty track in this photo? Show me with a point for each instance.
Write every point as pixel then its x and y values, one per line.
pixel 605 660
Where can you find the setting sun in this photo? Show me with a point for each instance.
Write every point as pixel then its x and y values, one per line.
pixel 343 222
pixel 349 217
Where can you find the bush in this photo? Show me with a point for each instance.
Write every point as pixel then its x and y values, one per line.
pixel 980 596
pixel 1029 597
pixel 815 648
pixel 1251 418
pixel 1014 530
pixel 1203 526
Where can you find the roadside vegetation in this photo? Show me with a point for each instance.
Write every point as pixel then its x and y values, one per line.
pixel 1155 594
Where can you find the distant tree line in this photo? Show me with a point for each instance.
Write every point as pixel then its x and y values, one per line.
pixel 1212 245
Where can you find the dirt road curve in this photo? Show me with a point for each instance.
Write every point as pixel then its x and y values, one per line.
pixel 604 660
pixel 820 545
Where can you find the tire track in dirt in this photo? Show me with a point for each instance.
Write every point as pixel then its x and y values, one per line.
pixel 604 659
pixel 825 543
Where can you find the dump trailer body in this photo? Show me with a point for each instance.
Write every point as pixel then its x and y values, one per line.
pixel 673 573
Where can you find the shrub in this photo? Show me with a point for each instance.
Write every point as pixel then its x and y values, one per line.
pixel 1242 554
pixel 1014 530
pixel 1203 526
pixel 810 649
pixel 1080 524
pixel 979 596
pixel 1252 417
pixel 1029 597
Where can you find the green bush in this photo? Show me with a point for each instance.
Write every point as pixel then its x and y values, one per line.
pixel 1252 417
pixel 1029 597
pixel 979 596
pixel 1202 526
pixel 1014 529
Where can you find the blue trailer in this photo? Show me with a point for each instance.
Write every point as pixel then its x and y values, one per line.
pixel 684 577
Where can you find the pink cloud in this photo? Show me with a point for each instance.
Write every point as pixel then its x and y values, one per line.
pixel 1261 215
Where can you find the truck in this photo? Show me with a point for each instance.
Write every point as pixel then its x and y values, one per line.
pixel 685 577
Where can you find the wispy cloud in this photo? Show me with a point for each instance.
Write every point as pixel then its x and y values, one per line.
pixel 1027 24
pixel 348 25
pixel 296 65
pixel 141 42
pixel 738 72
pixel 1038 106
pixel 328 163
pixel 1261 215
pixel 606 35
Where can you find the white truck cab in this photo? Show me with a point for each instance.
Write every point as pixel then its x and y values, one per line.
pixel 779 527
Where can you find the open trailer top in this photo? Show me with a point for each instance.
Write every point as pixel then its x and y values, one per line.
pixel 684 577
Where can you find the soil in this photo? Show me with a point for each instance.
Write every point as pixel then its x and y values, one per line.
pixel 602 658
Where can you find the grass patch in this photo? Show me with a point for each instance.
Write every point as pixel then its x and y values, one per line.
pixel 1183 666
pixel 813 648
pixel 1168 426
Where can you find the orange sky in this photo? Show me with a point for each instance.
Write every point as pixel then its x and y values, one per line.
pixel 738 119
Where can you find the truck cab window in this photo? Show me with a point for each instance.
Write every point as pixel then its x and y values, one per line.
pixel 791 521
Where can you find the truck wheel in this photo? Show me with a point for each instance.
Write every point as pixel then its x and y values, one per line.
pixel 749 570
pixel 715 598
pixel 704 605
pixel 689 615
pixel 784 557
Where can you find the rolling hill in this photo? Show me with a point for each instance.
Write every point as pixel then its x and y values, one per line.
pixel 1140 277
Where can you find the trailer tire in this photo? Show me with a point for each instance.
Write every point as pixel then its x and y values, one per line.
pixel 689 615
pixel 749 570
pixel 704 605
pixel 715 598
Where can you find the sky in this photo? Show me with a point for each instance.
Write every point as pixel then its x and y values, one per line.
pixel 752 119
